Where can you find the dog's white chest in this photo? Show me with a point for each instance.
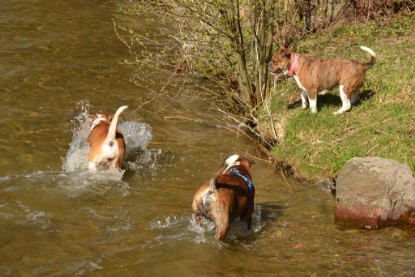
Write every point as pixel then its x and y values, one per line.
pixel 299 83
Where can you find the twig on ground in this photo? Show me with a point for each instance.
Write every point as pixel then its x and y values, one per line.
pixel 239 132
pixel 145 103
pixel 283 176
pixel 370 150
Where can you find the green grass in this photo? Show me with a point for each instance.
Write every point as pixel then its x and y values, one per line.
pixel 381 124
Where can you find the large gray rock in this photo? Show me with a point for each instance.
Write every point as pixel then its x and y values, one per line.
pixel 373 192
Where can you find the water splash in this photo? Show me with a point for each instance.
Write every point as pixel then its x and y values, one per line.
pixel 168 222
pixel 205 229
pixel 169 229
pixel 100 183
pixel 77 155
pixel 137 136
pixel 75 178
pixel 237 228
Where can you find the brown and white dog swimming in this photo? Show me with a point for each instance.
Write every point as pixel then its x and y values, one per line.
pixel 227 196
pixel 315 76
pixel 106 142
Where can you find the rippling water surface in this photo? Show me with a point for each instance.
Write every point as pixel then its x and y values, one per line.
pixel 60 60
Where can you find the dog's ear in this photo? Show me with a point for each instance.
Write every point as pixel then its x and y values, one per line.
pixel 284 50
pixel 92 116
pixel 106 116
pixel 250 162
pixel 100 115
pixel 276 38
pixel 246 162
pixel 223 162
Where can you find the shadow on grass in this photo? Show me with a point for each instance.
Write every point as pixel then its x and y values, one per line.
pixel 332 99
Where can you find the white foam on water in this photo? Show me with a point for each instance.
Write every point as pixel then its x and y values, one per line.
pixel 34 216
pixel 73 183
pixel 4 179
pixel 89 267
pixel 76 183
pixel 204 231
pixel 24 215
pixel 168 222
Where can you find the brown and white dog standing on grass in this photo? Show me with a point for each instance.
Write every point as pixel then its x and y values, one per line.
pixel 106 142
pixel 227 196
pixel 319 76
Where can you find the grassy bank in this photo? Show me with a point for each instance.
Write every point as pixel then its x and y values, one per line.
pixel 381 124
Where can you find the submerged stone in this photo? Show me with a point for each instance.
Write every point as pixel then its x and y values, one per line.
pixel 374 192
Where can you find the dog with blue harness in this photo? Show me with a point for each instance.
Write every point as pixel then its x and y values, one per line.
pixel 227 196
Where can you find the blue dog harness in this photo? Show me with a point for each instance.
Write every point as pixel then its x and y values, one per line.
pixel 247 180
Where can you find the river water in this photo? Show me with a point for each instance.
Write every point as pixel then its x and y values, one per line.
pixel 61 60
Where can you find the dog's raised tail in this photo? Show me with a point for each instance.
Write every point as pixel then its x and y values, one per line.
pixel 372 54
pixel 212 184
pixel 113 126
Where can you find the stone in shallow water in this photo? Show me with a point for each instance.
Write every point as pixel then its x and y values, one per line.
pixel 374 192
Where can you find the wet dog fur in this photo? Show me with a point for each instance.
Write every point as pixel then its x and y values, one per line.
pixel 106 142
pixel 226 197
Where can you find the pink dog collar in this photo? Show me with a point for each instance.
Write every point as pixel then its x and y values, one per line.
pixel 294 64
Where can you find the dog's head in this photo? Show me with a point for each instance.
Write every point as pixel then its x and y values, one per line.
pixel 97 118
pixel 236 160
pixel 280 61
pixel 101 116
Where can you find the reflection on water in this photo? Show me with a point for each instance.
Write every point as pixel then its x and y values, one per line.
pixel 58 219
